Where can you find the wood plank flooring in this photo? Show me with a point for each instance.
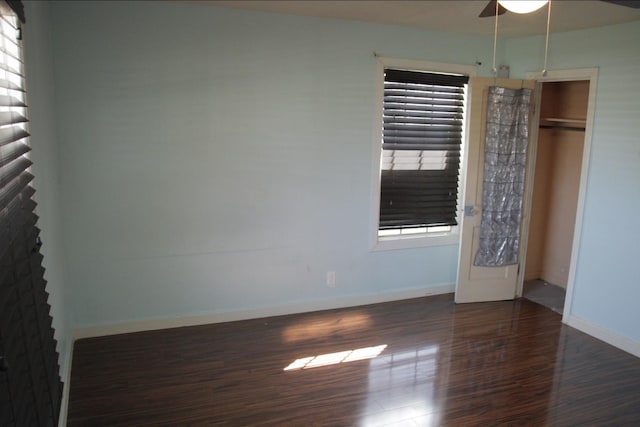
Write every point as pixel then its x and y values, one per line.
pixel 503 363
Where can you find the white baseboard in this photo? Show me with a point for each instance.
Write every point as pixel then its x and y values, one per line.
pixel 154 324
pixel 623 343
pixel 65 374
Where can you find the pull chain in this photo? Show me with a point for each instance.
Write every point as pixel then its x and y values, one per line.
pixel 495 42
pixel 546 47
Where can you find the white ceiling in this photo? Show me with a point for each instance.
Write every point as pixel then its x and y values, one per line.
pixel 452 16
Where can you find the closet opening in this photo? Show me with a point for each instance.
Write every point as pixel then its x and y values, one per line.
pixel 556 187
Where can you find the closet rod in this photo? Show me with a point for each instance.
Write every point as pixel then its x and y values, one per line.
pixel 558 127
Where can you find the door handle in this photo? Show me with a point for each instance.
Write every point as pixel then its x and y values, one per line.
pixel 471 210
pixel 4 366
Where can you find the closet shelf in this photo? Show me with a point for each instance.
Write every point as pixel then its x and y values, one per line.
pixel 563 120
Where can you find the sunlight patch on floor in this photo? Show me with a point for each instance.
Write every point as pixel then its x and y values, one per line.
pixel 336 358
pixel 325 328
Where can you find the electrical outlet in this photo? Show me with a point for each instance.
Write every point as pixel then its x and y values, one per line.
pixel 331 279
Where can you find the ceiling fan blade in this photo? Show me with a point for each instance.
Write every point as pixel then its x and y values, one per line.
pixel 490 9
pixel 629 3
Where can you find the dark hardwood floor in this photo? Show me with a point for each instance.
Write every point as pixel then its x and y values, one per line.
pixel 503 363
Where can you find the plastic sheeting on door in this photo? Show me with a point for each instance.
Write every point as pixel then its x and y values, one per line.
pixel 505 160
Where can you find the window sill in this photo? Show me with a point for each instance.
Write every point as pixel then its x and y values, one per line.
pixel 408 242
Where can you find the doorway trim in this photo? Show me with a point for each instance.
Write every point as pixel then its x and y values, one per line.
pixel 590 74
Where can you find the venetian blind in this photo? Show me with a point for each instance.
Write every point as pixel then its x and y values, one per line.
pixel 30 386
pixel 421 147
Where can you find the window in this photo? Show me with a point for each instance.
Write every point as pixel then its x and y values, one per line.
pixel 420 146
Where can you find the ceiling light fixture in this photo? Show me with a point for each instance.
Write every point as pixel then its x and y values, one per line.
pixel 522 6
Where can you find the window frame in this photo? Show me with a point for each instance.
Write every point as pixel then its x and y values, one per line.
pixel 423 239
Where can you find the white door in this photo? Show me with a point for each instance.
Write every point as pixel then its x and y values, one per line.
pixel 476 284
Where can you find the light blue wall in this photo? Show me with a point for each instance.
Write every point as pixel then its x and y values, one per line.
pixel 215 160
pixel 45 151
pixel 607 288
